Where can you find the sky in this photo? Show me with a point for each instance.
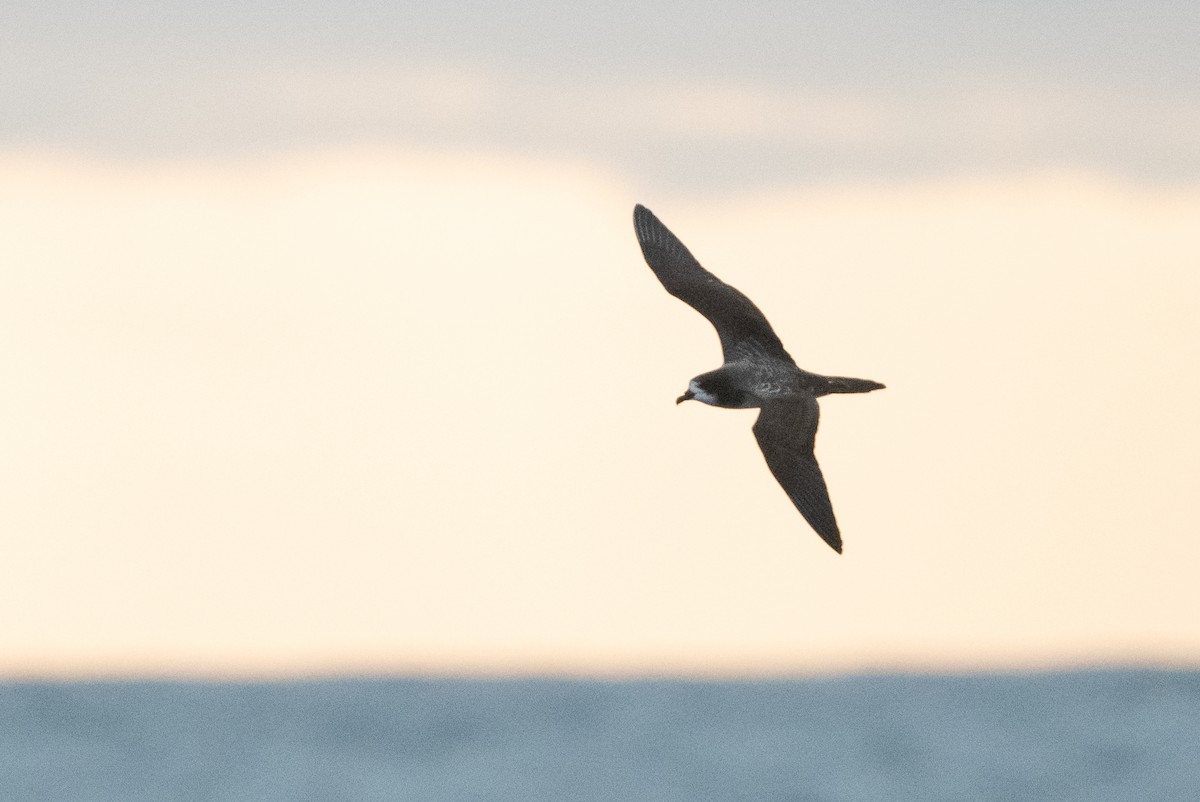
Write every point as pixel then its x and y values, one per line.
pixel 331 350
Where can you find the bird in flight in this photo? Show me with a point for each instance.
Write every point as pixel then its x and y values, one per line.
pixel 757 372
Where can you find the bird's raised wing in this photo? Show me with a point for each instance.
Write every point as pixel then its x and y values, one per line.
pixel 743 329
pixel 786 431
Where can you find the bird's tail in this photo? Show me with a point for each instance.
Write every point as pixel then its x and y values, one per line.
pixel 844 384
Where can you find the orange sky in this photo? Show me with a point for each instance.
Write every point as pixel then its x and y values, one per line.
pixel 385 410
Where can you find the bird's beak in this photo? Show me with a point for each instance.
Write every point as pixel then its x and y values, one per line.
pixel 686 396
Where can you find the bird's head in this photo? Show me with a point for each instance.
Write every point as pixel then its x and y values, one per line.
pixel 717 388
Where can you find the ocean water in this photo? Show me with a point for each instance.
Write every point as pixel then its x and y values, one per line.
pixel 1094 735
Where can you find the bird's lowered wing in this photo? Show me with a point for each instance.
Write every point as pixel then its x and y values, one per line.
pixel 786 431
pixel 743 329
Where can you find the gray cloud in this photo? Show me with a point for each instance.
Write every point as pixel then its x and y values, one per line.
pixel 677 93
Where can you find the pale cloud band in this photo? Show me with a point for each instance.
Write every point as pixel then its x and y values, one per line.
pixel 698 97
pixel 680 133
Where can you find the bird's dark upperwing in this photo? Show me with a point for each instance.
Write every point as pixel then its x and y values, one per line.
pixel 743 329
pixel 786 430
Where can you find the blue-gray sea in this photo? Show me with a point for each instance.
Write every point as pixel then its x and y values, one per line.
pixel 1089 735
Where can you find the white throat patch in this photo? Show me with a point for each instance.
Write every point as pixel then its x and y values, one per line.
pixel 700 395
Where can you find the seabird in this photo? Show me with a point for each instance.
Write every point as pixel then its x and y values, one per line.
pixel 757 372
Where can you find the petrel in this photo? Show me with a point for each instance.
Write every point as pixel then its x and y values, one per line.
pixel 757 372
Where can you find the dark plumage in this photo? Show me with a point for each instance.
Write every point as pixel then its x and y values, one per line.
pixel 757 372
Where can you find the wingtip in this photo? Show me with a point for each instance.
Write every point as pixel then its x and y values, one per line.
pixel 832 536
pixel 647 228
pixel 651 232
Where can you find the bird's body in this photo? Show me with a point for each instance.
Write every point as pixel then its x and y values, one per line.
pixel 757 372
